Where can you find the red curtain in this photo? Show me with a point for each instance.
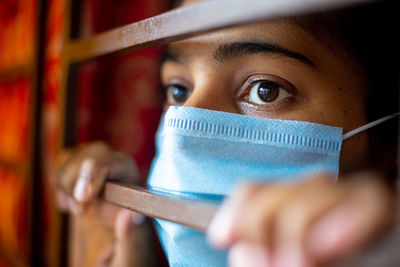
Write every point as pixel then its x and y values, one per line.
pixel 119 96
pixel 17 46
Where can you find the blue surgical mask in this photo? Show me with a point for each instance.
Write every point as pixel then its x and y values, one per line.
pixel 204 154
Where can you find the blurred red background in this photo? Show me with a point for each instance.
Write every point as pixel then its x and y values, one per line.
pixel 118 101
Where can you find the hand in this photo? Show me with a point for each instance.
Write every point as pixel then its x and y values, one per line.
pixel 102 234
pixel 311 223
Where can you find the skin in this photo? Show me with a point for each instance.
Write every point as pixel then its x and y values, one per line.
pixel 312 82
pixel 329 92
pixel 101 234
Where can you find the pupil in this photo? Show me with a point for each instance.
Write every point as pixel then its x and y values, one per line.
pixel 179 94
pixel 267 92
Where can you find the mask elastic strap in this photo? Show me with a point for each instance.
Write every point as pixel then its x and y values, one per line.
pixel 369 125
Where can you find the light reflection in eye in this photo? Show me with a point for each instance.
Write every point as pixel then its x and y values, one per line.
pixel 177 94
pixel 264 92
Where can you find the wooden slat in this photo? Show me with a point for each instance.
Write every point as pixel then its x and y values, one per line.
pixel 193 20
pixel 20 168
pixel 196 215
pixel 16 72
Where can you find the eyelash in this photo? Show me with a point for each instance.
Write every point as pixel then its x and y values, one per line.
pixel 285 92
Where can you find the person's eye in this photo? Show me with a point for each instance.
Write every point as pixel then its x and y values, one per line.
pixel 265 92
pixel 177 94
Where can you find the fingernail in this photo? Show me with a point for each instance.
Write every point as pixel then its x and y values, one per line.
pixel 87 169
pixel 82 190
pixel 244 254
pixel 137 218
pixel 329 234
pixel 222 226
pixel 290 256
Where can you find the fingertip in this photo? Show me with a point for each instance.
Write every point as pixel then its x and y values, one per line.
pixel 244 254
pixel 137 218
pixel 334 235
pixel 123 224
pixel 221 231
pixel 290 255
pixel 227 223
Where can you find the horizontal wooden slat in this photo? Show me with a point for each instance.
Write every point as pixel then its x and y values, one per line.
pixel 20 168
pixel 193 20
pixel 196 215
pixel 16 72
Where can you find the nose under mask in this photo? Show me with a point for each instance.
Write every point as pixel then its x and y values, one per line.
pixel 204 154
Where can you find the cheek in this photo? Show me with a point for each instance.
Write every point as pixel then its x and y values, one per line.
pixel 341 109
pixel 355 153
pixel 344 108
pixel 340 94
pixel 335 103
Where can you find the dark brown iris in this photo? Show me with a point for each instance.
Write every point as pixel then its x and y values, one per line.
pixel 268 91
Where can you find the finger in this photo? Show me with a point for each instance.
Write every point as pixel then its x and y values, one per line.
pixel 296 215
pixel 347 228
pixel 70 162
pixel 120 166
pixel 243 254
pixel 67 203
pixel 123 168
pixel 240 218
pixel 223 229
pixel 91 178
pixel 67 175
pixel 126 223
pixel 250 213
pixel 62 200
pixel 106 257
pixel 132 236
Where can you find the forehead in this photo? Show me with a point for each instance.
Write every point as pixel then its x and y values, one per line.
pixel 283 33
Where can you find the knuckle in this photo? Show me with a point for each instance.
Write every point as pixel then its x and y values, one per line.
pixel 293 219
pixel 98 147
pixel 261 206
pixel 247 190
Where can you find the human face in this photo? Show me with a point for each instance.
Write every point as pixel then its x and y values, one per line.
pixel 271 69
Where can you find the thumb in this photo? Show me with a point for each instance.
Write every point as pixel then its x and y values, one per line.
pixel 132 240
pixel 91 178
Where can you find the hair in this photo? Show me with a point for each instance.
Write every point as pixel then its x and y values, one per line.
pixel 371 35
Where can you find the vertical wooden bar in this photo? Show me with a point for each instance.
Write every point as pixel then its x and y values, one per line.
pixel 67 99
pixel 37 253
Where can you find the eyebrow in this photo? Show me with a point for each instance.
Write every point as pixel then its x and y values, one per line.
pixel 229 51
pixel 171 55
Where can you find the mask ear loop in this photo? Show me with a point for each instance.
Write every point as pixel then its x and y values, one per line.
pixel 369 125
